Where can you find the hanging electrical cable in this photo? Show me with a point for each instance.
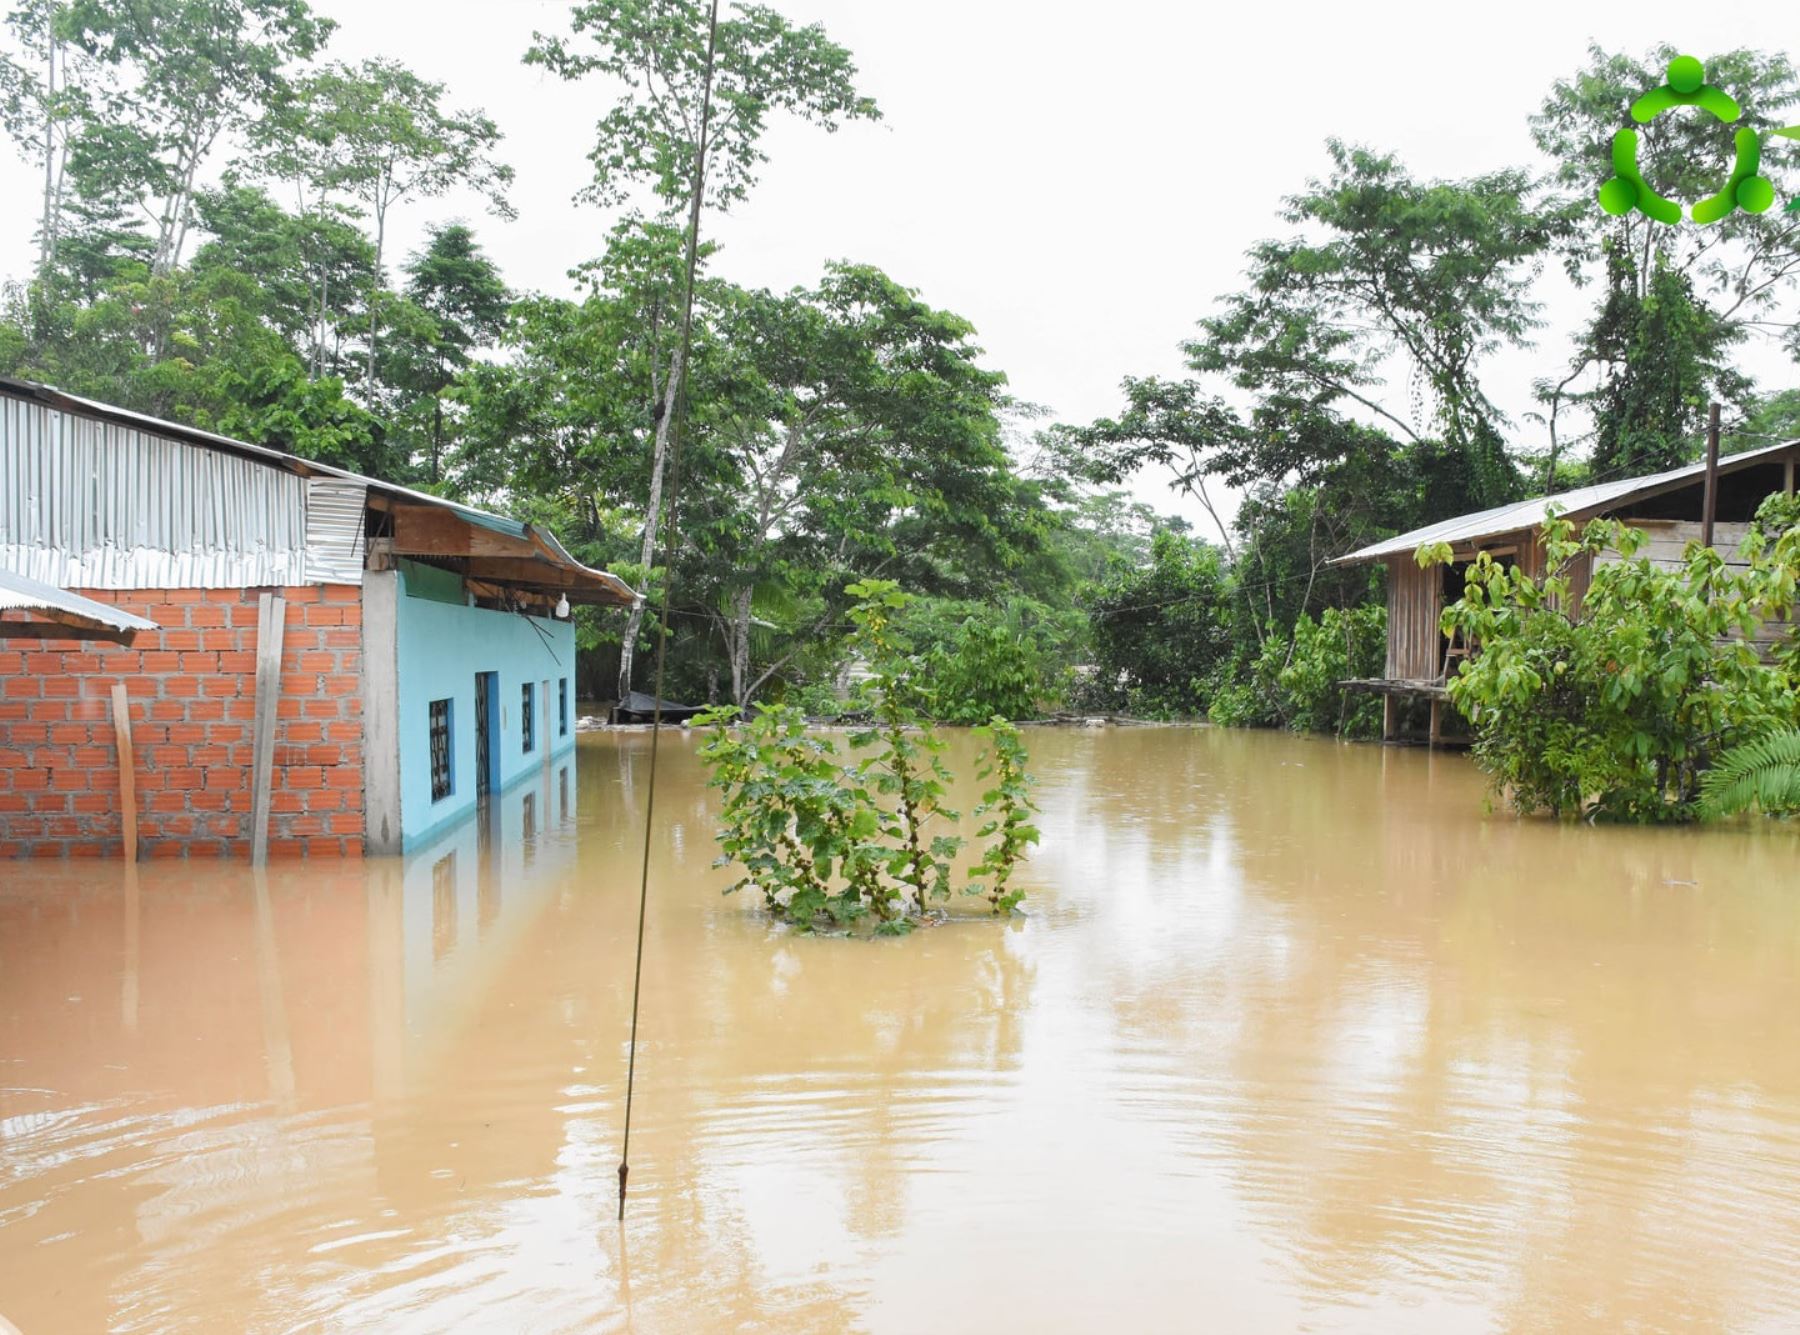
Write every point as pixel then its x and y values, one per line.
pixel 671 548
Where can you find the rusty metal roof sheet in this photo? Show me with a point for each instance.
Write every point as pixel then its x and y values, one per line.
pixel 1581 503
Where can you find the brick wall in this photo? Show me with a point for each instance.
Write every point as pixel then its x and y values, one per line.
pixel 192 693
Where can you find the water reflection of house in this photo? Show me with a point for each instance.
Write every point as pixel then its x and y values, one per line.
pixel 243 1045
pixel 446 918
pixel 1668 507
pixel 426 655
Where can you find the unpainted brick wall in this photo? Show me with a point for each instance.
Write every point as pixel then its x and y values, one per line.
pixel 192 693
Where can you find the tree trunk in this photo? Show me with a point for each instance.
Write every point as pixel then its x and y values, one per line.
pixel 319 327
pixel 672 391
pixel 172 230
pixel 740 647
pixel 375 300
pixel 47 232
pixel 634 621
pixel 437 432
pixel 184 214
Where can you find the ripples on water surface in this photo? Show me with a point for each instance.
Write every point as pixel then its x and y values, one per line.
pixel 1295 1037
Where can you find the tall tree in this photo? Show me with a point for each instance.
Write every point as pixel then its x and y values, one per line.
pixel 1663 356
pixel 45 93
pixel 191 73
pixel 1746 259
pixel 1439 273
pixel 1673 301
pixel 665 59
pixel 460 290
pixel 866 438
pixel 1312 483
pixel 1172 424
pixel 570 412
pixel 313 268
pixel 381 134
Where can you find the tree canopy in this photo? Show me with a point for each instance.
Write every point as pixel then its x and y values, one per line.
pixel 213 237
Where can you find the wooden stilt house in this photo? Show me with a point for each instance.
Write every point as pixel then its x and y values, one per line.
pixel 1669 507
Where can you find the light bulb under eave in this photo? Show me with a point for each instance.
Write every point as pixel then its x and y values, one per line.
pixel 562 607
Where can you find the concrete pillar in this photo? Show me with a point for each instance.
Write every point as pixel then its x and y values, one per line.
pixel 381 711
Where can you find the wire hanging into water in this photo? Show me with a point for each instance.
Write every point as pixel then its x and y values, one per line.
pixel 671 543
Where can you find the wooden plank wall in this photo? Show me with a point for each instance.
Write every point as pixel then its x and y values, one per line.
pixel 1415 646
pixel 1667 545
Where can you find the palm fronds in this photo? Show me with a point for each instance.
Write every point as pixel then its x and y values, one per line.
pixel 1762 774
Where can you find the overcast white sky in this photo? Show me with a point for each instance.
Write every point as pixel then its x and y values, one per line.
pixel 1079 180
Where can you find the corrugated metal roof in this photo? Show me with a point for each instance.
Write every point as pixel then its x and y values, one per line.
pixel 333 524
pixel 91 503
pixel 1580 503
pixel 21 593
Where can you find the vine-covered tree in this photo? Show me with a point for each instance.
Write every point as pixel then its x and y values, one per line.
pixel 1673 302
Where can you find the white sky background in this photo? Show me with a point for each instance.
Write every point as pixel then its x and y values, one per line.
pixel 1080 181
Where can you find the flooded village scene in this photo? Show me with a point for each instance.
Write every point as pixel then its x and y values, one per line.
pixel 691 666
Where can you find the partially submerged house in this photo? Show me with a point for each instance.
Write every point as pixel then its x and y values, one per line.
pixel 309 659
pixel 1668 506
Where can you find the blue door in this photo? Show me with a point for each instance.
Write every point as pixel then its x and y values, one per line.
pixel 487 748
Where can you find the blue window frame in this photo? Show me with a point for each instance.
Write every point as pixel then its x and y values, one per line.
pixel 562 705
pixel 528 718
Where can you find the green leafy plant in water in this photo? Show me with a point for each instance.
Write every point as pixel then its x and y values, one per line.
pixel 834 843
pixel 1008 807
pixel 1761 775
pixel 1611 702
pixel 906 760
pixel 789 819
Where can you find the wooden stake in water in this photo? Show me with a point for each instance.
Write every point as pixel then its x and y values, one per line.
pixel 128 822
pixel 673 548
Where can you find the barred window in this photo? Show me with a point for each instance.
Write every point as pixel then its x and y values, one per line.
pixel 528 717
pixel 562 704
pixel 440 750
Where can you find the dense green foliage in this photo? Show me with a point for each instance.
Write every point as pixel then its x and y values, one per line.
pixel 1160 632
pixel 985 661
pixel 834 841
pixel 213 245
pixel 1293 682
pixel 1614 707
pixel 1184 637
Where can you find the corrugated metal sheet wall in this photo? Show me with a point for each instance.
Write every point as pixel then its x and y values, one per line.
pixel 89 504
pixel 334 530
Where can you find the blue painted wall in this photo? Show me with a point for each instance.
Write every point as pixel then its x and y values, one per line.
pixel 439 647
pixel 450 917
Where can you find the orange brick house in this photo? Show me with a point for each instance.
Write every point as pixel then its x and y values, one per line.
pixel 416 657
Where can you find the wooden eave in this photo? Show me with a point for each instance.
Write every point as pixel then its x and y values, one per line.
pixel 527 563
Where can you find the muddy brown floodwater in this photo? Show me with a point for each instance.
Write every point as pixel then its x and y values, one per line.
pixel 1295 1037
